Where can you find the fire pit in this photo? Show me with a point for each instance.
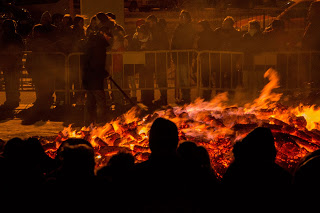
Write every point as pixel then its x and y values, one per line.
pixel 213 125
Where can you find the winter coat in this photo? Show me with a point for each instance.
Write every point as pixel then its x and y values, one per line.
pixel 94 70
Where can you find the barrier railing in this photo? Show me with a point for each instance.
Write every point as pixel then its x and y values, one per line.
pixel 182 71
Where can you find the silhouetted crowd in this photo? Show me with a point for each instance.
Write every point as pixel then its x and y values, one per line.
pixel 64 34
pixel 177 177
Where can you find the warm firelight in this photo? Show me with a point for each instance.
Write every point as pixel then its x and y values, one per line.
pixel 214 125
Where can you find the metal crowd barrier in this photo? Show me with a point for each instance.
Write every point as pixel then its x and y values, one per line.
pixel 176 70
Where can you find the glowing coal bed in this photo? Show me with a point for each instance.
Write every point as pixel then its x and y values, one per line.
pixel 213 125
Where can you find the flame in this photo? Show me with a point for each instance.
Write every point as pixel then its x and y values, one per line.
pixel 214 125
pixel 311 114
pixel 267 98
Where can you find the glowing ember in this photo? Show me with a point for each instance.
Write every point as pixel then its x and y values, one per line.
pixel 213 125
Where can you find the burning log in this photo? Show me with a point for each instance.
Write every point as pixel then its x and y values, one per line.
pixel 244 128
pixel 111 139
pixel 142 149
pixel 300 122
pixel 133 133
pixel 100 142
pixel 215 122
pixel 170 113
pixel 129 126
pixel 50 145
pixel 272 127
pixel 310 147
pixel 150 118
pixel 111 150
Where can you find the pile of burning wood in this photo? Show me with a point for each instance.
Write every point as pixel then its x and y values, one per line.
pixel 212 125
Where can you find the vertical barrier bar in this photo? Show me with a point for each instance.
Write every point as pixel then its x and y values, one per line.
pixel 67 79
pixel 199 74
pixel 220 76
pixel 155 71
pixel 310 66
pixel 298 72
pixel 287 71
pixel 231 71
pixel 178 78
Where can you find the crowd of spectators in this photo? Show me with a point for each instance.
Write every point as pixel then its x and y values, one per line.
pixel 65 34
pixel 177 177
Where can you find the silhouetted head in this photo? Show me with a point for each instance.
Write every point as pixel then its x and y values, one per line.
pixel 71 142
pixel 203 25
pixel 35 150
pixel 121 161
pixel 163 136
pixel 151 20
pixel 188 151
pixel 185 17
pixel 228 22
pixel 258 146
pixel 14 150
pixel 57 19
pixel 307 173
pixel 277 25
pixel 162 23
pixel 78 160
pixel 111 15
pixel 9 26
pixel 46 18
pixel 254 24
pixel 140 22
pixel 93 21
pixel 78 22
pixel 102 19
pixel 67 20
pixel 143 33
pixel 203 157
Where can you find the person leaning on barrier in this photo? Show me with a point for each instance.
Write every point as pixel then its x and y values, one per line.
pixel 142 41
pixel 183 39
pixel 252 43
pixel 229 39
pixel 160 41
pixel 10 63
pixel 205 40
pixel 93 76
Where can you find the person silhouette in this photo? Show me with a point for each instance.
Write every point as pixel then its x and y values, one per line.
pixel 254 169
pixel 160 181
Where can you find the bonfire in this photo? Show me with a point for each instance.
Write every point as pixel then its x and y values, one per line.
pixel 213 125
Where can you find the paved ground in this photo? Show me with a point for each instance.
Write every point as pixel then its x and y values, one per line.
pixel 13 128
